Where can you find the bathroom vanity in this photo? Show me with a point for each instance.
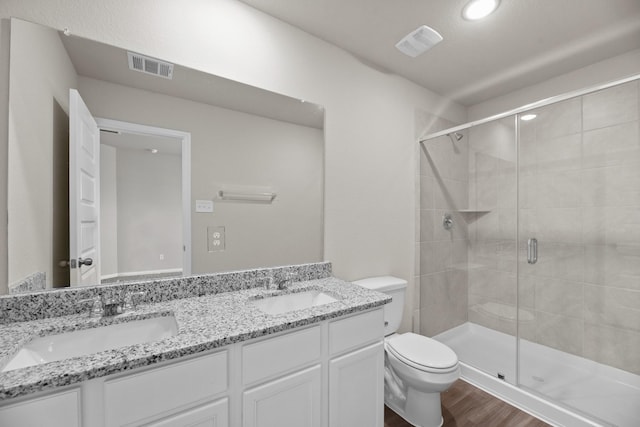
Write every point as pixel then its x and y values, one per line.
pixel 229 364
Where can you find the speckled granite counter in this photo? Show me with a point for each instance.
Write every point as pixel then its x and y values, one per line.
pixel 204 323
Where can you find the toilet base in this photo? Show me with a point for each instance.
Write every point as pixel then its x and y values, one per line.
pixel 423 408
pixel 420 409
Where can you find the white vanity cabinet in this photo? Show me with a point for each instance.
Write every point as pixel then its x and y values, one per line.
pixel 356 371
pixel 292 401
pixel 329 374
pixel 282 380
pixel 167 391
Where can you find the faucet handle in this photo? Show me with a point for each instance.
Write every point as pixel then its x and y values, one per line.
pixel 96 306
pixel 132 299
pixel 285 278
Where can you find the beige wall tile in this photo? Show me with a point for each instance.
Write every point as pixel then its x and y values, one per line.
pixel 613 265
pixel 560 332
pixel 559 154
pixel 426 225
pixel 559 297
pixel 492 314
pixel 611 106
pixel 450 194
pixel 559 189
pixel 556 120
pixel 613 346
pixel 506 259
pixel 427 191
pixel 559 225
pixel 611 146
pixel 435 257
pixel 615 307
pixel 443 302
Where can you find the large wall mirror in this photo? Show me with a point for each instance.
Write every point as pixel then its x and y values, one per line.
pixel 195 173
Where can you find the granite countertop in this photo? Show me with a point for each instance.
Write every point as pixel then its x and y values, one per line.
pixel 204 323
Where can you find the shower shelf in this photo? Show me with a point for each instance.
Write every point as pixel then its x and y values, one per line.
pixel 473 211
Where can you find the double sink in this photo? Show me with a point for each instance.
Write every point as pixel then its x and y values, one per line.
pixel 84 342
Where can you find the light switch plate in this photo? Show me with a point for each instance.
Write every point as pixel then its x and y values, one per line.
pixel 204 205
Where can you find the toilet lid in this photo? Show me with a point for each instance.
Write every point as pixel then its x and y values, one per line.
pixel 422 351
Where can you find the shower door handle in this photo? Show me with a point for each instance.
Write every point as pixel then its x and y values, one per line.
pixel 532 251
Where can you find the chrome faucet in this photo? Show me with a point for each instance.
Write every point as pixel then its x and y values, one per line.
pixel 103 306
pixel 283 280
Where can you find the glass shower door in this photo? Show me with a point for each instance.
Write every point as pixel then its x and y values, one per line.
pixel 579 254
pixel 492 264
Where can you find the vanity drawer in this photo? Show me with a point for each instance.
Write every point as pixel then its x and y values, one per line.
pixel 54 410
pixel 281 354
pixel 356 331
pixel 164 389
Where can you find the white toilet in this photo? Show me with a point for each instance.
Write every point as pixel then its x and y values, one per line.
pixel 417 368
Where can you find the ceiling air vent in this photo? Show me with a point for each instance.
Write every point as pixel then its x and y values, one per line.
pixel 148 65
pixel 419 41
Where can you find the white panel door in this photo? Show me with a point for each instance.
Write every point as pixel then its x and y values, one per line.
pixel 84 193
pixel 356 388
pixel 291 401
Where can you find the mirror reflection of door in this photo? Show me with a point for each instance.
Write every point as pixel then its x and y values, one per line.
pixel 84 194
pixel 141 217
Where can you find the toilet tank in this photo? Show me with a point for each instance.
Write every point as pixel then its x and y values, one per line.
pixel 395 288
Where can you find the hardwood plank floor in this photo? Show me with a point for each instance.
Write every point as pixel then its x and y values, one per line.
pixel 464 405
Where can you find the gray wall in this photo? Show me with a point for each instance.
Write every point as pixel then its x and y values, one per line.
pixel 38 127
pixel 108 212
pixel 149 188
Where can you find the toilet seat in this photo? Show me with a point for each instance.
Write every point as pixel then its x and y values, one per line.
pixel 422 353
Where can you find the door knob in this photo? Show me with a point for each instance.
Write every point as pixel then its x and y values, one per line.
pixel 86 261
pixel 73 264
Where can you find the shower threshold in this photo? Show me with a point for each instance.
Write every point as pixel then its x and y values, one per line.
pixel 559 388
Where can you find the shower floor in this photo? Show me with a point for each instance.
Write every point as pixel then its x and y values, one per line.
pixel 610 396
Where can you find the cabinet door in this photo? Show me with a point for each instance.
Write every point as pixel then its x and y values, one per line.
pixel 137 398
pixel 356 388
pixel 291 401
pixel 54 410
pixel 215 414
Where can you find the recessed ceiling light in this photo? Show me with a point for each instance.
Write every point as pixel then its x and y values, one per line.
pixel 528 117
pixel 478 9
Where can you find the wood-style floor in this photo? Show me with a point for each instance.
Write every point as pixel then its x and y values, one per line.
pixel 464 405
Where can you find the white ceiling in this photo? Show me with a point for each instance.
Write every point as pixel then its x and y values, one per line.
pixel 524 42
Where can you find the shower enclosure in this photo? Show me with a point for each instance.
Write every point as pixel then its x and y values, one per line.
pixel 530 253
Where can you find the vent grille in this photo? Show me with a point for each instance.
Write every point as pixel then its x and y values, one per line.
pixel 419 41
pixel 148 65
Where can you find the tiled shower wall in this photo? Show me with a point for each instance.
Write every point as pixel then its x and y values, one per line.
pixel 441 276
pixel 492 225
pixel 579 196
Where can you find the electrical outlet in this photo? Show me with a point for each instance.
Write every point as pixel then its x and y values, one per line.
pixel 215 238
pixel 161 257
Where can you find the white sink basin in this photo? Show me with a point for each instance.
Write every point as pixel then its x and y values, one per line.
pixel 289 302
pixel 93 340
